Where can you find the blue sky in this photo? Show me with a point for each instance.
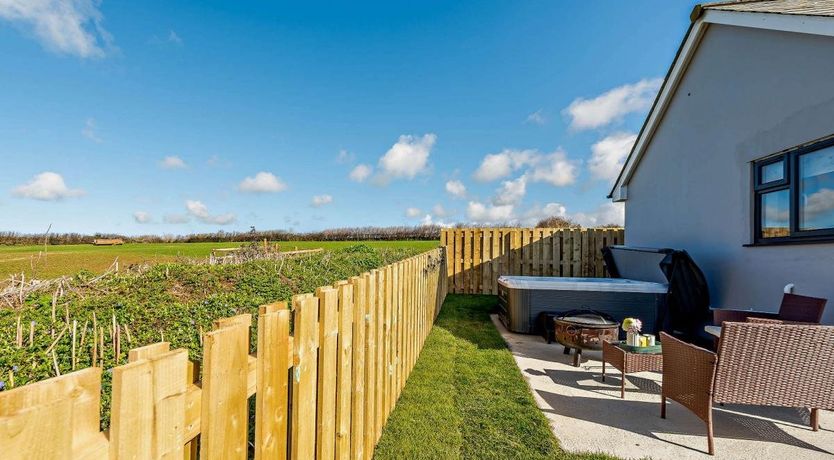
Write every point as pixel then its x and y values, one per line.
pixel 179 117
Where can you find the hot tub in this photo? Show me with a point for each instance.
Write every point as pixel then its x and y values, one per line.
pixel 522 298
pixel 638 288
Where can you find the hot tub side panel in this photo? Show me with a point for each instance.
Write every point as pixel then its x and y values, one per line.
pixel 514 309
pixel 521 307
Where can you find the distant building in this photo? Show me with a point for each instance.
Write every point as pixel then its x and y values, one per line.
pixel 108 241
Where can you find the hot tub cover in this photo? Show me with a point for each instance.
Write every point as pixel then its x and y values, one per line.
pixel 582 284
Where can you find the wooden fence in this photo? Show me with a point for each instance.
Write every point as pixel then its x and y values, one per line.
pixel 476 257
pixel 324 391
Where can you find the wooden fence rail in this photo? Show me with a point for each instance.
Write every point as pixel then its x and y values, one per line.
pixel 476 257
pixel 323 391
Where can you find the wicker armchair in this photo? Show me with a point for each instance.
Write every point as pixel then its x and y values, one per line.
pixel 758 363
pixel 794 307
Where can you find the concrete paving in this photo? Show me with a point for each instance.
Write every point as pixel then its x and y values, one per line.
pixel 587 415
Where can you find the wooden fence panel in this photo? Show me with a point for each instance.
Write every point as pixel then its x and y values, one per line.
pixel 387 360
pixel 225 416
pixel 379 391
pixel 75 397
pixel 328 358
pixel 370 363
pixel 305 373
pixel 271 401
pixel 395 336
pixel 357 419
pixel 132 424
pixel 476 258
pixel 344 371
pixel 324 392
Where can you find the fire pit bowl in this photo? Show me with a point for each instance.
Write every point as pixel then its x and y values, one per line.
pixel 584 330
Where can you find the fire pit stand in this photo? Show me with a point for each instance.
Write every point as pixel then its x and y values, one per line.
pixel 584 330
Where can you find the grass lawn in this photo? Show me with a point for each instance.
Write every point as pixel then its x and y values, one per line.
pixel 466 398
pixel 68 259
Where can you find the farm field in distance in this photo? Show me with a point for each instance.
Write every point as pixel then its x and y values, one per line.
pixel 60 260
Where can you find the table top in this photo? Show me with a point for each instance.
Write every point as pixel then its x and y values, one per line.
pixel 713 330
pixel 652 350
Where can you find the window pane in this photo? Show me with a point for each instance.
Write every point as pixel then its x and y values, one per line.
pixel 775 210
pixel 816 190
pixel 773 172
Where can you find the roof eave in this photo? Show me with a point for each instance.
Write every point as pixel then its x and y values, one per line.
pixel 817 25
pixel 665 90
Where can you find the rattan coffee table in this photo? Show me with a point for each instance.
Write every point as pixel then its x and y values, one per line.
pixel 628 362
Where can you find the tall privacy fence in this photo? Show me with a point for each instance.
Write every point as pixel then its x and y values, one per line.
pixel 476 257
pixel 323 391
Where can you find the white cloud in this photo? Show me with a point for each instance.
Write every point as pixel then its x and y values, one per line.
pixel 201 213
pixel 321 200
pixel 413 212
pixel 172 162
pixel 489 214
pixel 511 192
pixel 497 165
pixel 534 214
pixel 46 186
pixel 509 214
pixel 439 211
pixel 456 188
pixel 175 219
pixel 609 154
pixel 536 118
pixel 262 182
pixel 360 173
pixel 90 130
pixel 819 202
pixel 605 214
pixel 64 26
pixel 428 219
pixel 612 105
pixel 555 169
pixel 174 38
pixel 407 158
pixel 142 217
pixel 345 157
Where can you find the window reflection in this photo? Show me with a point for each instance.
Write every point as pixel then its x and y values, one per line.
pixel 816 190
pixel 773 172
pixel 775 214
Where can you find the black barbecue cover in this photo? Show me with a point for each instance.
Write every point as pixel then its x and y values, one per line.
pixel 687 305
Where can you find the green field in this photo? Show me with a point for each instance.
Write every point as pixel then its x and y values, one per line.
pixel 54 261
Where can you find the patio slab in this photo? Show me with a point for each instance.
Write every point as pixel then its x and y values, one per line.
pixel 587 415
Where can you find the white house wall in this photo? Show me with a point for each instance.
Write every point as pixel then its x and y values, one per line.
pixel 746 94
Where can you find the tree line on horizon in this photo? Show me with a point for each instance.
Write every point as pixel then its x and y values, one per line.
pixel 419 232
